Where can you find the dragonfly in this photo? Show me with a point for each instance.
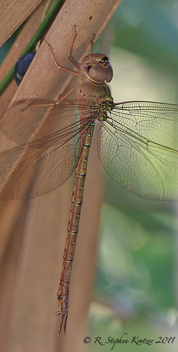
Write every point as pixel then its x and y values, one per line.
pixel 137 146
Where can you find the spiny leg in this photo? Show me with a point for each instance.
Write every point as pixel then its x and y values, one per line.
pixel 61 67
pixel 60 98
pixel 53 103
pixel 91 43
pixel 70 51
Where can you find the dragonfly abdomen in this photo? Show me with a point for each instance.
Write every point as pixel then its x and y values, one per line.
pixel 73 227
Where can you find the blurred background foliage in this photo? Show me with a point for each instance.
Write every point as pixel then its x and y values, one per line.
pixel 137 270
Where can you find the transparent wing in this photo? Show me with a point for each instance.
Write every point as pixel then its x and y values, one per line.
pixel 40 166
pixel 138 147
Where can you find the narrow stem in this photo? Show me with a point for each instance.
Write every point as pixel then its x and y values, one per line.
pixel 31 45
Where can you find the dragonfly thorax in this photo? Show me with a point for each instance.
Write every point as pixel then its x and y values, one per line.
pixel 97 68
pixel 91 91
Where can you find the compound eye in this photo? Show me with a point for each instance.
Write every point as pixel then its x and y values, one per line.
pixel 96 73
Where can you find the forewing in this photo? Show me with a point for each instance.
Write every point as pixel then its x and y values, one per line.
pixel 138 147
pixel 40 166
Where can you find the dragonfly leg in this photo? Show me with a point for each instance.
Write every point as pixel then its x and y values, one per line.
pixel 39 104
pixel 63 97
pixel 59 66
pixel 70 51
pixel 71 47
pixel 54 103
pixel 72 102
pixel 91 43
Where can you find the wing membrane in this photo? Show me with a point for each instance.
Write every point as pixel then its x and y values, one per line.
pixel 138 147
pixel 40 166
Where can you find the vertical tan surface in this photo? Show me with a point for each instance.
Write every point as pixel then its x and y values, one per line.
pixel 32 258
